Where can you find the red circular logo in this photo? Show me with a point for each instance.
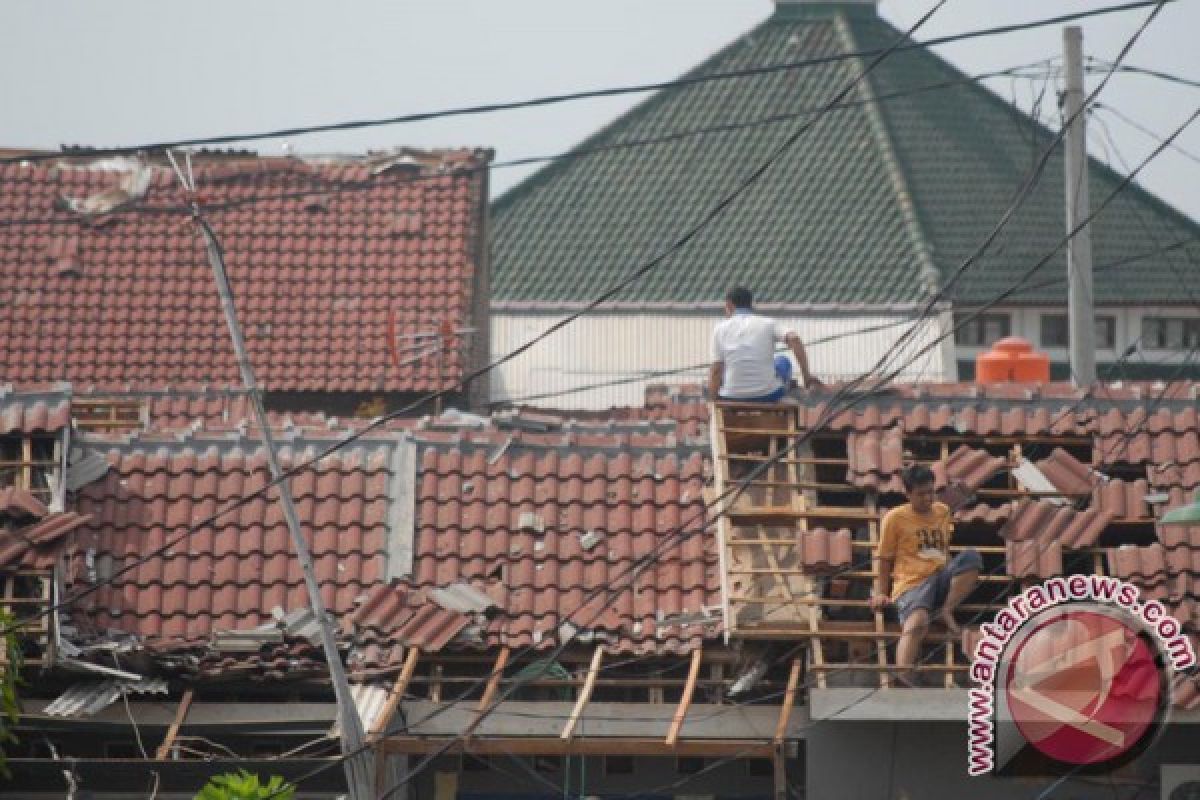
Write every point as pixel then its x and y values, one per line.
pixel 1084 687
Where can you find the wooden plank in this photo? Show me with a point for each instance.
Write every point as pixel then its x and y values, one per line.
pixel 587 746
pixel 686 700
pixel 585 694
pixel 724 530
pixel 881 654
pixel 397 693
pixel 789 700
pixel 489 692
pixel 164 749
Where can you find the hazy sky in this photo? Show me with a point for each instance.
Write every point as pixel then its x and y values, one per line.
pixel 131 72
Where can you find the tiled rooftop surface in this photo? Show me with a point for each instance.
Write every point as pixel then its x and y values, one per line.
pixel 563 521
pixel 327 260
pixel 231 573
pixel 34 409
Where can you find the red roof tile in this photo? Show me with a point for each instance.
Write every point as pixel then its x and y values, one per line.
pixel 1033 558
pixel 128 297
pixel 395 616
pixel 876 459
pixel 232 573
pixel 33 409
pixel 1144 566
pixel 1042 521
pixel 518 507
pixel 826 551
pixel 18 503
pixel 968 467
pixel 1123 499
pixel 1068 474
pixel 37 545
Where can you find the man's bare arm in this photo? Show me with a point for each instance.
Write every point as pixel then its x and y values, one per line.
pixel 797 348
pixel 883 584
pixel 716 375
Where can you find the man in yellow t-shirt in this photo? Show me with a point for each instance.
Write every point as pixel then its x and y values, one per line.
pixel 915 568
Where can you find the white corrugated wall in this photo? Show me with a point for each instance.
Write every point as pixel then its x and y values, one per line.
pixel 563 371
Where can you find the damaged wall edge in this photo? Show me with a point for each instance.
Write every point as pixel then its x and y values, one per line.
pixel 400 525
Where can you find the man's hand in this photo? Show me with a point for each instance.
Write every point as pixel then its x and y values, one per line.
pixel 879 602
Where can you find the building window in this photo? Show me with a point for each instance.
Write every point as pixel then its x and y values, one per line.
pixel 29 463
pixel 618 765
pixel 1170 333
pixel 689 765
pixel 981 330
pixel 1056 331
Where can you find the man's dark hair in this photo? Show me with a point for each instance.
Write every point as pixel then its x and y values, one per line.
pixel 916 475
pixel 740 297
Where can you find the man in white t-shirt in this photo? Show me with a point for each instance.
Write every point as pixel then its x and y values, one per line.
pixel 744 354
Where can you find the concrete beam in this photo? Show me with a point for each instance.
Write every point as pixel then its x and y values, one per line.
pixel 599 720
pixel 888 704
pixel 902 705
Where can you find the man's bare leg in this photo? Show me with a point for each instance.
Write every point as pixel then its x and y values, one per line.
pixel 961 585
pixel 909 645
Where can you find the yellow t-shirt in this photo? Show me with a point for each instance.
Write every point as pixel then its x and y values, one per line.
pixel 918 544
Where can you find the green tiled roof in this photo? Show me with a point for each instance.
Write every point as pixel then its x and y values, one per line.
pixel 874 205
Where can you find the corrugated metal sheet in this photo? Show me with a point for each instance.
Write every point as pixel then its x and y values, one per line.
pixel 369 699
pixel 85 699
pixel 602 348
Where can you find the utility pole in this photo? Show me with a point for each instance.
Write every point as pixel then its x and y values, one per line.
pixel 358 763
pixel 1081 315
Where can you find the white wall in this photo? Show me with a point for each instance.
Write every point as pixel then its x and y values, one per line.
pixel 600 348
pixel 1027 323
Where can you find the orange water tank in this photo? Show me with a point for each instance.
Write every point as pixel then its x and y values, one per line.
pixel 1012 359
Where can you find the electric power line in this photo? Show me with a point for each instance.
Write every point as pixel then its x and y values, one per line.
pixel 689 80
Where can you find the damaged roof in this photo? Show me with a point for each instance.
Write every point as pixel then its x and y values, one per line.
pixel 448 534
pixel 327 260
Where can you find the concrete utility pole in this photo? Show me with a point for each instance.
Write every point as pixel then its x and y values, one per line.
pixel 1081 315
pixel 359 766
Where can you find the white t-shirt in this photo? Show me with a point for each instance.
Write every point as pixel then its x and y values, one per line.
pixel 745 342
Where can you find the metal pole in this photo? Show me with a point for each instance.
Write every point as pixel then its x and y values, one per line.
pixel 1081 316
pixel 358 766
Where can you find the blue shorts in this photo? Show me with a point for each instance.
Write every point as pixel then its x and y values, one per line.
pixel 930 594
